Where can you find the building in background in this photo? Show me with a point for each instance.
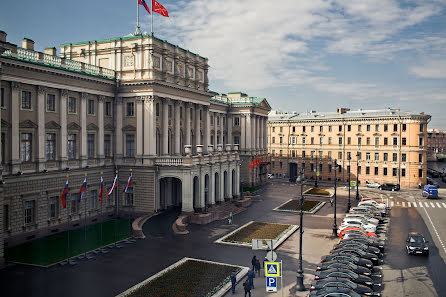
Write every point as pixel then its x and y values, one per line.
pixel 135 102
pixel 384 146
pixel 436 145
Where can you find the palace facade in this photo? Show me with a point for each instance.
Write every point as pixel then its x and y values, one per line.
pixel 136 105
pixel 384 146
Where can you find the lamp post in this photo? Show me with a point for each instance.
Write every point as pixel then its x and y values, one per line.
pixel 357 176
pixel 300 273
pixel 315 169
pixel 349 170
pixel 335 226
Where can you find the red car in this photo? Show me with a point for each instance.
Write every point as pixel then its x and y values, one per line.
pixel 355 230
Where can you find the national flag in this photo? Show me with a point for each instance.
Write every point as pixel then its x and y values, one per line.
pixel 83 189
pixel 101 192
pixel 63 198
pixel 114 186
pixel 143 3
pixel 157 7
pixel 129 183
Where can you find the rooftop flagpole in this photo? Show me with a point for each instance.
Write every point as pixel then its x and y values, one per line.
pixel 151 17
pixel 138 30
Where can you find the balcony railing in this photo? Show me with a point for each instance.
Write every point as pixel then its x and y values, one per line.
pixel 169 161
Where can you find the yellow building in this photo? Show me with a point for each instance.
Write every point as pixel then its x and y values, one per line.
pixel 384 146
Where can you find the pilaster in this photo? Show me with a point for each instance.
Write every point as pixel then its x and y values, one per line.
pixel 207 128
pixel 177 149
pixel 165 127
pixel 15 132
pixel 118 131
pixel 101 129
pixel 187 126
pixel 139 128
pixel 40 158
pixel 83 113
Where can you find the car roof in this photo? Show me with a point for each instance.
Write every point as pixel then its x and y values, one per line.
pixel 415 234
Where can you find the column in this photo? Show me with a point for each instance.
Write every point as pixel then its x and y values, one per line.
pixel 202 185
pixel 177 128
pixel 248 132
pixel 101 129
pixel 139 128
pixel 15 132
pixel 261 126
pixel 165 127
pixel 118 131
pixel 63 129
pixel 257 132
pixel 150 126
pixel 265 133
pixel 243 132
pixel 221 131
pixel 253 132
pixel 207 128
pixel 187 199
pixel 212 197
pixel 83 114
pixel 187 123
pixel 40 128
pixel 197 125
pixel 230 139
pixel 215 132
pixel 229 186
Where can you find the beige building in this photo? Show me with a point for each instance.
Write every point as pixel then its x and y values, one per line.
pixel 136 103
pixel 436 143
pixel 381 146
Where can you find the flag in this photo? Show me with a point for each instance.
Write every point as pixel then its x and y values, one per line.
pixel 101 192
pixel 143 3
pixel 157 7
pixel 63 198
pixel 129 183
pixel 114 186
pixel 83 189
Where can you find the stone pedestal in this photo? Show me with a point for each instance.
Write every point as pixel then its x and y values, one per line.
pixel 228 147
pixel 188 149
pixel 199 149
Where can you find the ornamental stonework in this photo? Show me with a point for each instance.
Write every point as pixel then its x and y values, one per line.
pixel 129 61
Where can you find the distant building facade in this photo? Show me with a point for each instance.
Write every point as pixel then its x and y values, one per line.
pixel 386 145
pixel 133 103
pixel 436 143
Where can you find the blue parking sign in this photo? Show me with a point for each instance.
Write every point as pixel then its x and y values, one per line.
pixel 271 284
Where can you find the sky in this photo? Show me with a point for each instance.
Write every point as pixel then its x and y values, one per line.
pixel 300 55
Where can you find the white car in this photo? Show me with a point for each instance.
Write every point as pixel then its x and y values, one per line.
pixel 372 185
pixel 360 220
pixel 367 217
pixel 380 206
pixel 365 227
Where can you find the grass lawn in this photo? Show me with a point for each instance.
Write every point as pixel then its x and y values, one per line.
pixel 294 205
pixel 316 191
pixel 258 230
pixel 250 189
pixel 191 278
pixel 52 249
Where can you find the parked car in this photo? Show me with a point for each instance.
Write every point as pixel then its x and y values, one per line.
pixel 344 264
pixel 345 273
pixel 372 184
pixel 361 209
pixel 355 230
pixel 365 240
pixel 351 235
pixel 357 252
pixel 364 216
pixel 416 244
pixel 348 257
pixel 443 178
pixel 358 245
pixel 430 191
pixel 365 227
pixel 374 203
pixel 332 292
pixel 389 187
pixel 361 220
pixel 340 282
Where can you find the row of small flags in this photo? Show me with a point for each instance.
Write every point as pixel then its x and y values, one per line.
pixel 63 198
pixel 156 7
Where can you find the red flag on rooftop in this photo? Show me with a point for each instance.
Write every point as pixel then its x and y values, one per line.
pixel 157 7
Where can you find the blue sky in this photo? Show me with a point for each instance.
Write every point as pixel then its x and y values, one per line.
pixel 300 55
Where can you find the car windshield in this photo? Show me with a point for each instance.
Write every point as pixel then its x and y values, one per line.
pixel 416 239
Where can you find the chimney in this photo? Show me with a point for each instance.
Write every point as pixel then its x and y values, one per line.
pixel 28 44
pixel 51 51
pixel 343 110
pixel 3 36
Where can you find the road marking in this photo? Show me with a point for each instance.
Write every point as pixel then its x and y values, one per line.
pixel 421 204
pixel 438 204
pixel 435 229
pixel 433 206
pixel 425 204
pixel 444 205
pixel 392 204
pixel 414 204
pixel 404 203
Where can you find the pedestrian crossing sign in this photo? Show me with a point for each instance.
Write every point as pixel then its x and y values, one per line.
pixel 272 269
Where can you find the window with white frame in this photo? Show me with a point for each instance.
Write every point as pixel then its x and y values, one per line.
pixel 236 140
pixel 25 147
pixel 51 146
pixel 50 102
pixel 71 146
pixel 130 145
pixel 130 110
pixel 74 203
pixel 90 146
pixel 107 145
pixel 30 212
pixel 129 197
pixel 93 199
pixel 237 121
pixel 26 100
pixel 53 207
pixel 72 105
pixel 90 107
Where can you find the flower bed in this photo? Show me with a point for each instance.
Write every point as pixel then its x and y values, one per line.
pixel 316 191
pixel 309 206
pixel 188 277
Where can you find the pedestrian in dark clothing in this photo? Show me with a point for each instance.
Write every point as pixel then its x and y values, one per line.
pixel 257 267
pixel 331 201
pixel 253 262
pixel 247 287
pixel 233 281
pixel 251 276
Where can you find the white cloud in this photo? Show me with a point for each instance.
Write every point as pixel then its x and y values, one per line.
pixel 432 69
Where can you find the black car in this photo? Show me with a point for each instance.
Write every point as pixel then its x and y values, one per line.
pixel 416 244
pixel 334 292
pixel 345 273
pixel 359 245
pixel 344 264
pixel 340 282
pixel 357 252
pixel 389 187
pixel 367 241
pixel 349 235
pixel 348 257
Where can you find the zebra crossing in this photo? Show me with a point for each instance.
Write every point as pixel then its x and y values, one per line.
pixel 419 204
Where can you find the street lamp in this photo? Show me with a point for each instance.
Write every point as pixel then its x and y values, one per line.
pixel 300 273
pixel 357 176
pixel 315 170
pixel 349 204
pixel 335 226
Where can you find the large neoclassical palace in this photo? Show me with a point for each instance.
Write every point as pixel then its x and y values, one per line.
pixel 134 104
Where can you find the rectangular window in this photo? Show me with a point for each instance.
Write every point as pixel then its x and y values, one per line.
pixel 274 164
pixel 294 140
pixel 368 127
pixel 281 128
pixel 340 128
pixel 303 139
pixel 130 111
pixel 71 146
pixel 340 140
pixel 293 154
pixel 108 109
pixel 340 155
pixel 329 167
pixel 237 123
pixel 74 203
pixel 395 157
pixel 386 141
pixel 129 197
pixel 274 139
pixel 321 140
pixel 329 155
pixel 303 154
pixel 420 172
pixel 53 207
pixel 403 157
pixel 385 171
pixel 359 169
pixel 25 147
pixel 94 199
pixel 359 140
pixel 358 155
pixel 386 157
pixel 329 128
pixel 349 140
pixel 421 127
pixel 90 146
pixel 386 127
pixel 367 156
pixel 130 145
pixel 376 156
pixel 321 129
pixel 5 217
pixel 329 140
pixel 90 107
pixel 50 146
pixel 368 140
pixel 236 140
pixel 280 139
pixel 280 164
pixel 403 171
pixel 312 154
pixel 312 140
pixel 107 145
pixel 376 170
pixel 403 141
pixel 420 158
pixel 420 141
pixel 280 153
pixel 376 141
pixel 349 128
pixel 303 128
pixel 26 100
pixel 349 155
pixel 312 128
pixel 294 129
pixel 367 170
pixel 395 127
pixel 394 171
pixel 2 101
pixel 404 127
pixel 376 127
pixel 50 102
pixel 72 105
pixel 359 127
pixel 395 141
pixel 311 167
pixel 30 209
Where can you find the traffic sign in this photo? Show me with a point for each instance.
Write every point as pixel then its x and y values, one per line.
pixel 271 284
pixel 272 269
pixel 271 256
pixel 271 243
pixel 352 183
pixel 257 244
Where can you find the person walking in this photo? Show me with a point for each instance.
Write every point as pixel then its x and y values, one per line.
pixel 251 276
pixel 331 201
pixel 253 262
pixel 233 281
pixel 247 287
pixel 257 267
pixel 230 217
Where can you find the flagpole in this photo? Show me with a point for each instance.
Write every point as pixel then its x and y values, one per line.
pixel 151 17
pixel 68 228
pixel 138 30
pixel 102 219
pixel 116 204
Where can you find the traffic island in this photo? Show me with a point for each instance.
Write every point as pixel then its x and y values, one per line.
pixel 293 205
pixel 188 277
pixel 244 235
pixel 317 192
